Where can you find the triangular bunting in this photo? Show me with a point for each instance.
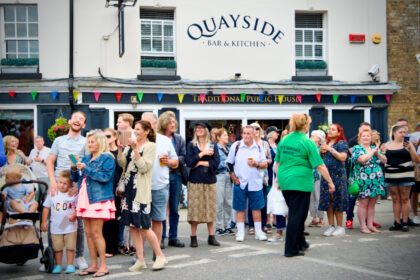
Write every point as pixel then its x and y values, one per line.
pixel 180 97
pixel 75 94
pixel 243 95
pixel 223 96
pixel 353 99
pixel 202 98
pixel 118 95
pixel 335 97
pixel 388 97
pixel 34 94
pixel 140 96
pixel 299 98
pixel 96 94
pixel 159 96
pixel 12 93
pixel 370 98
pixel 280 98
pixel 261 97
pixel 54 94
pixel 318 97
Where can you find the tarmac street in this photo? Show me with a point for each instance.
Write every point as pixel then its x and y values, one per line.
pixel 385 255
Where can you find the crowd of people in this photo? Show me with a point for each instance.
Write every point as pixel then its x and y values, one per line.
pixel 118 187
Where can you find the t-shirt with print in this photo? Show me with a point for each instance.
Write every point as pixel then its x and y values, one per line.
pixel 160 174
pixel 19 192
pixel 297 156
pixel 65 145
pixel 61 207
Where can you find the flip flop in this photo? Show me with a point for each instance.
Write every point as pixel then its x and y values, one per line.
pixel 100 274
pixel 86 272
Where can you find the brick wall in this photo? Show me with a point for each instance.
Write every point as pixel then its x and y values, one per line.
pixel 403 35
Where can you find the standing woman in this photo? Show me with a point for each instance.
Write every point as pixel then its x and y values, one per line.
pixel 137 161
pixel 367 171
pixel 399 175
pixel 297 156
pixel 334 153
pixel 94 174
pixel 13 154
pixel 224 189
pixel 203 162
pixel 112 230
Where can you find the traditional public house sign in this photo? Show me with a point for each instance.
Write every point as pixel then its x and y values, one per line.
pixel 208 28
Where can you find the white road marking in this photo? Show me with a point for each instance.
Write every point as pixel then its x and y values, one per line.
pixel 405 235
pixel 118 275
pixel 347 241
pixel 181 265
pixel 227 249
pixel 177 257
pixel 319 245
pixel 259 252
pixel 352 267
pixel 115 266
pixel 367 239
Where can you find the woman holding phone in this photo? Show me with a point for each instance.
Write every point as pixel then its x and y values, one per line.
pixel 399 175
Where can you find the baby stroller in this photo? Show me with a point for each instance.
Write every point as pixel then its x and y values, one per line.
pixel 20 239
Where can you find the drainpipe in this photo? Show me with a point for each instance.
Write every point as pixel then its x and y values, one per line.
pixel 71 77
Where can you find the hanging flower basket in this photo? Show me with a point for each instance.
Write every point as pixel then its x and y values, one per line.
pixel 61 127
pixel 324 127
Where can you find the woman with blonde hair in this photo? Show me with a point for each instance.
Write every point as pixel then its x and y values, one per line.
pixel 94 176
pixel 296 158
pixel 13 154
pixel 203 161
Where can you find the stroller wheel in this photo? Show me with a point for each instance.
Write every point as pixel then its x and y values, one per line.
pixel 48 259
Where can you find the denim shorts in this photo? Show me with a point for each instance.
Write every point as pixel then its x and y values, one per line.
pixel 256 199
pixel 404 184
pixel 159 202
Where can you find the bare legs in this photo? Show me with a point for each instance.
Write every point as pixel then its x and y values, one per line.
pixel 210 227
pixel 96 244
pixel 139 237
pixel 365 213
pixel 400 202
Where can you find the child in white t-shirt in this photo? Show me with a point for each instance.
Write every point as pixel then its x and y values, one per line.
pixel 63 222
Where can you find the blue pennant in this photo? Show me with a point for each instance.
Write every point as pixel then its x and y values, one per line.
pixel 261 97
pixel 54 94
pixel 353 98
pixel 160 95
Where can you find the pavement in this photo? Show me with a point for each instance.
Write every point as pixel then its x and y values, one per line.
pixel 385 255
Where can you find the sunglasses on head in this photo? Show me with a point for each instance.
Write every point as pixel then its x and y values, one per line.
pixel 108 135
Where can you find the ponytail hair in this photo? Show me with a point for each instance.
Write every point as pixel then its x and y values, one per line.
pixel 298 122
pixel 151 136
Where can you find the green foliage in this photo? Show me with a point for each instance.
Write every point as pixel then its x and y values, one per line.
pixel 19 61
pixel 324 127
pixel 158 63
pixel 60 127
pixel 311 64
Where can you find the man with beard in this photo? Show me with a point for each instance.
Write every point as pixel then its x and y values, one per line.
pixel 62 147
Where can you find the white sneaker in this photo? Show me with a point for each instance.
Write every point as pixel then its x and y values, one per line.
pixel 240 236
pixel 260 236
pixel 42 268
pixel 329 231
pixel 81 263
pixel 416 219
pixel 339 231
pixel 276 238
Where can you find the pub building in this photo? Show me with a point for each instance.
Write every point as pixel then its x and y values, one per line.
pixel 228 62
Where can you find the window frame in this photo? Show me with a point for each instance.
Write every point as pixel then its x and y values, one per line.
pixel 313 44
pixel 163 22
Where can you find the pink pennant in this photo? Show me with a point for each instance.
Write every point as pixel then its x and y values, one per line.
pixel 223 96
pixel 202 98
pixel 387 97
pixel 299 98
pixel 96 94
pixel 318 97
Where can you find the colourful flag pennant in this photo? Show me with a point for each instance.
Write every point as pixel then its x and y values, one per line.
pixel 34 94
pixel 96 94
pixel 180 97
pixel 12 93
pixel 140 96
pixel 370 98
pixel 54 94
pixel 223 96
pixel 261 97
pixel 75 94
pixel 118 95
pixel 353 99
pixel 280 97
pixel 388 97
pixel 318 97
pixel 335 97
pixel 299 98
pixel 243 95
pixel 202 98
pixel 159 96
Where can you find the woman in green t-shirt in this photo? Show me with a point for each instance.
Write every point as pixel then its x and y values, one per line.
pixel 296 157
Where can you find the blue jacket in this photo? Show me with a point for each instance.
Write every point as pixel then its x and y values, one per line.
pixel 3 158
pixel 222 168
pixel 99 175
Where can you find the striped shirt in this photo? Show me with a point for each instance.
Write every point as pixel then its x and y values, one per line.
pixel 399 167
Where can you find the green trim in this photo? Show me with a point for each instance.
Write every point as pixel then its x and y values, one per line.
pixel 158 63
pixel 19 61
pixel 311 64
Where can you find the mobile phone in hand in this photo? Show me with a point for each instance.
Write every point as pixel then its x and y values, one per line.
pixel 73 159
pixel 406 138
pixel 123 137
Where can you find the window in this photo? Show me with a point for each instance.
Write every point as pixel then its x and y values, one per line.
pixel 157 33
pixel 309 37
pixel 20 31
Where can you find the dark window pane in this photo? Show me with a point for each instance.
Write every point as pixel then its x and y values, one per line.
pixel 308 20
pixel 33 30
pixel 157 45
pixel 23 46
pixel 168 46
pixel 145 45
pixel 168 30
pixel 299 50
pixel 10 46
pixel 145 29
pixel 298 35
pixel 318 36
pixel 9 13
pixel 33 46
pixel 33 14
pixel 9 30
pixel 157 29
pixel 21 14
pixel 308 36
pixel 308 50
pixel 21 30
pixel 318 50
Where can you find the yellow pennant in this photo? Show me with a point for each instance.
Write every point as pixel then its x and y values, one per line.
pixel 280 97
pixel 75 94
pixel 370 98
pixel 180 97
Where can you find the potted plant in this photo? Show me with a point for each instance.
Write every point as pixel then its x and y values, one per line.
pixel 158 67
pixel 19 65
pixel 311 68
pixel 59 128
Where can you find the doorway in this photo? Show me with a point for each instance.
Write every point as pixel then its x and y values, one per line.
pixel 136 114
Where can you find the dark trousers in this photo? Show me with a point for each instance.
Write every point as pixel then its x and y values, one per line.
pixel 175 187
pixel 111 233
pixel 350 209
pixel 298 203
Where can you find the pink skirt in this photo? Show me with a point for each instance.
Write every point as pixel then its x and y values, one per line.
pixel 99 210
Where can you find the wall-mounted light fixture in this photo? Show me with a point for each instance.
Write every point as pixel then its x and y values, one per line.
pixel 134 101
pixel 238 75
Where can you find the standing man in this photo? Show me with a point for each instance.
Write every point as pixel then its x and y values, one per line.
pixel 165 158
pixel 38 157
pixel 247 162
pixel 62 147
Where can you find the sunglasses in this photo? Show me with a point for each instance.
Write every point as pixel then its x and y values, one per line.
pixel 257 128
pixel 108 135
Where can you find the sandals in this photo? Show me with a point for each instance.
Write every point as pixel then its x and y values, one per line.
pixel 313 223
pixel 86 272
pixel 100 274
pixel 268 229
pixel 251 231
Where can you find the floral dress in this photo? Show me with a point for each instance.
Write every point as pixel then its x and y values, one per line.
pixel 369 175
pixel 338 175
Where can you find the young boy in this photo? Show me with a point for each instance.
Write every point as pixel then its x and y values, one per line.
pixel 18 196
pixel 63 222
